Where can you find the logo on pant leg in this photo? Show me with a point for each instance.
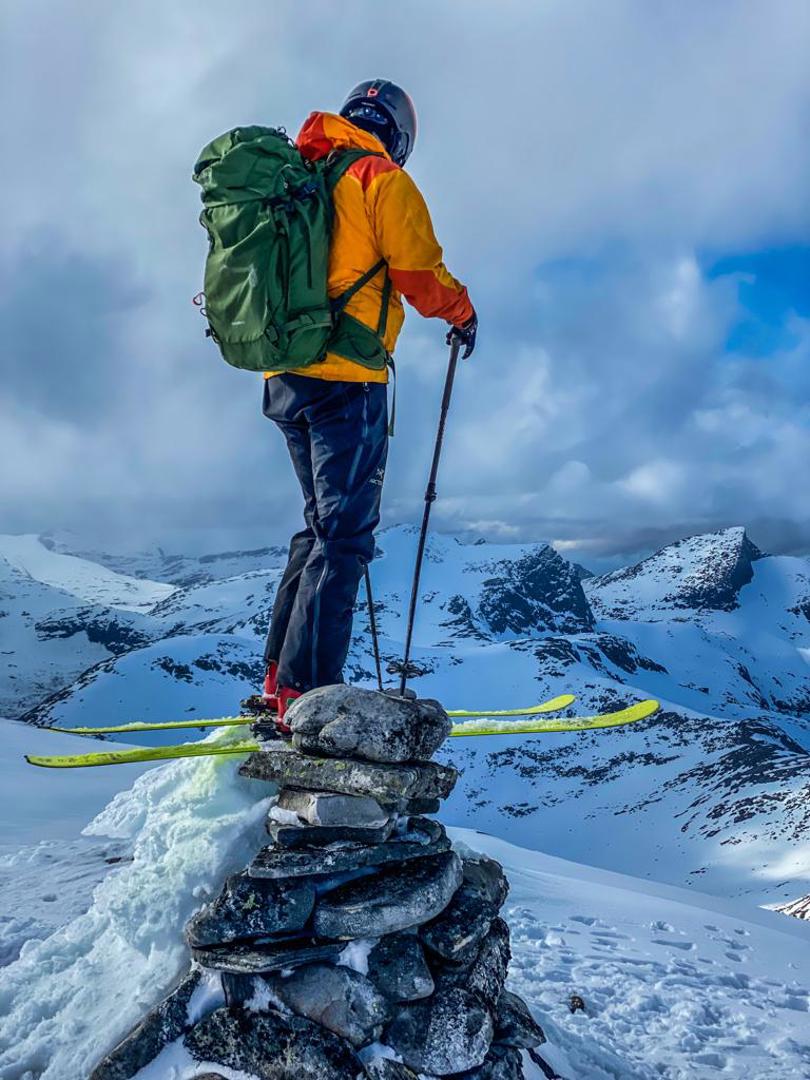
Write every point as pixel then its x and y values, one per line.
pixel 379 476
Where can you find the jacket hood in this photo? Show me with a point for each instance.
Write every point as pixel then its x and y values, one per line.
pixel 324 132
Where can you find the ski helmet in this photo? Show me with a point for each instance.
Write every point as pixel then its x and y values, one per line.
pixel 384 109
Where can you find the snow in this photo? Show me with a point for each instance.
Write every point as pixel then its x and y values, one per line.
pixel 284 817
pixel 175 1063
pixel 207 996
pixel 49 802
pixel 85 580
pixel 356 953
pixel 677 986
pixel 712 795
pixel 69 998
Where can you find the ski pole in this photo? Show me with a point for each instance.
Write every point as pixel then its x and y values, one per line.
pixel 430 498
pixel 372 621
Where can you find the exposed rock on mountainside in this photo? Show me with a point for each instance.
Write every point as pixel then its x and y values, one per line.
pixel 799 909
pixel 700 573
pixel 538 591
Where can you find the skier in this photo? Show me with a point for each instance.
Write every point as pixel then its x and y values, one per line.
pixel 334 415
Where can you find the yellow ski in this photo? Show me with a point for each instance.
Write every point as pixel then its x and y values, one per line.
pixel 633 713
pixel 630 715
pixel 561 702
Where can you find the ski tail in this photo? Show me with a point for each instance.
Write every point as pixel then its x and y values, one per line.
pixel 631 715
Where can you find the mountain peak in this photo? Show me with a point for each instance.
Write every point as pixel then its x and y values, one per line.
pixel 699 573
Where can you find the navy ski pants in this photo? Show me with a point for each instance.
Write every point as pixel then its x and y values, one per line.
pixel 337 436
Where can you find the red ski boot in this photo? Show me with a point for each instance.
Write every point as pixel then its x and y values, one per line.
pixel 285 697
pixel 270 688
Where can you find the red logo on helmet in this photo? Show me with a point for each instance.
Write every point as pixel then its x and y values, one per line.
pixel 372 91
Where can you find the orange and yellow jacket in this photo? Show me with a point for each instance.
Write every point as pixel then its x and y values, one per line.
pixel 379 214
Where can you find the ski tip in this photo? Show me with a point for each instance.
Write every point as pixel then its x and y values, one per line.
pixel 553 705
pixel 640 710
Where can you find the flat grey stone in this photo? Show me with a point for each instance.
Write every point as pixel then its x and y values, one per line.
pixel 165 1023
pixel 486 974
pixel 396 898
pixel 397 967
pixel 349 721
pixel 247 908
pixel 458 932
pixel 386 1069
pixel 443 1035
pixel 325 835
pixel 337 998
pixel 385 782
pixel 422 837
pixel 328 808
pixel 514 1024
pixel 501 1063
pixel 487 877
pixel 259 957
pixel 272 1046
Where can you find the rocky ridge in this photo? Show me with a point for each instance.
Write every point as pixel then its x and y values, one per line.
pixel 357 943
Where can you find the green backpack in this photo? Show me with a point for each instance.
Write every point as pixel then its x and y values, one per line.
pixel 268 213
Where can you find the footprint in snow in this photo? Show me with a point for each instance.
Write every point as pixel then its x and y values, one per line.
pixel 686 946
pixel 610 936
pixel 737 946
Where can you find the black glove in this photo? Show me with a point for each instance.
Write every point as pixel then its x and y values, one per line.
pixel 465 334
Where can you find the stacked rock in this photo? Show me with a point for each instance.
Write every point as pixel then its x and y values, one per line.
pixel 357 943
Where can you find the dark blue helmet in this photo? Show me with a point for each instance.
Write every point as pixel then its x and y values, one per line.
pixel 384 109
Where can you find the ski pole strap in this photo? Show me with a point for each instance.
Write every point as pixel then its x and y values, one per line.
pixel 392 420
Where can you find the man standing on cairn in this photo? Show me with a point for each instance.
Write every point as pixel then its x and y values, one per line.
pixel 334 415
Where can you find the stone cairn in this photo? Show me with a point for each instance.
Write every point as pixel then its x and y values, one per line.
pixel 357 944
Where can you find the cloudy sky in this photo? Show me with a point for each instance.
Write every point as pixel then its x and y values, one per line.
pixel 623 185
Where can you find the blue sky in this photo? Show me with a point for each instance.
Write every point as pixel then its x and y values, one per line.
pixel 773 290
pixel 622 186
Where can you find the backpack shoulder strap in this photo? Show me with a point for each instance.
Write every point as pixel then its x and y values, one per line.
pixel 340 161
pixel 337 165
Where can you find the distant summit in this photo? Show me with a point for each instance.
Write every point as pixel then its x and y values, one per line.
pixel 700 573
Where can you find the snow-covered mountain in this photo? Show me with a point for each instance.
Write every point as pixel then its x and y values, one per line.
pixel 712 792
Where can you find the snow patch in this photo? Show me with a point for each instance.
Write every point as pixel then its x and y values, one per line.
pixel 70 998
pixel 87 581
pixel 356 953
pixel 207 996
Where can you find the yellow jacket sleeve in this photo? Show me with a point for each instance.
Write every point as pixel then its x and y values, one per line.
pixel 404 232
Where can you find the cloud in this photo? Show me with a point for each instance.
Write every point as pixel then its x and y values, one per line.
pixel 578 158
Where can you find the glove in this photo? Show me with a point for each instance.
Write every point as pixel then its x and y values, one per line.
pixel 465 334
